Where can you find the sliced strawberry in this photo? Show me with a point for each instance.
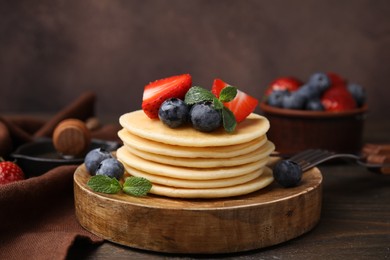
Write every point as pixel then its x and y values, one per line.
pixel 241 106
pixel 337 98
pixel 284 83
pixel 155 93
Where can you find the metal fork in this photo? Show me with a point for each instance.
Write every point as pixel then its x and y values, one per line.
pixel 313 157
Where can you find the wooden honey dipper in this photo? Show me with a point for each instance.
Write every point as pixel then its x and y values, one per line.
pixel 72 137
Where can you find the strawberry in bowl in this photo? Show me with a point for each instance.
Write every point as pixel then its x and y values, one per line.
pixel 326 111
pixel 321 92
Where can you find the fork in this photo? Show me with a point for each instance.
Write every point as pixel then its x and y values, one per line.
pixel 313 157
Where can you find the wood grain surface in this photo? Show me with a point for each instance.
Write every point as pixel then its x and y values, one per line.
pixel 264 218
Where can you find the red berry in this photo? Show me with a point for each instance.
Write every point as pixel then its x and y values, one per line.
pixel 336 79
pixel 241 106
pixel 283 83
pixel 10 172
pixel 155 93
pixel 338 98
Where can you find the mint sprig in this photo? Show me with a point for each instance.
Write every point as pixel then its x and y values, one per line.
pixel 227 94
pixel 135 186
pixel 198 94
pixel 229 120
pixel 104 184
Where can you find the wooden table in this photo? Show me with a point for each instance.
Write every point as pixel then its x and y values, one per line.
pixel 354 224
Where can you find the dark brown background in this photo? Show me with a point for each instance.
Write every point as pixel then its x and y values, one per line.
pixel 51 51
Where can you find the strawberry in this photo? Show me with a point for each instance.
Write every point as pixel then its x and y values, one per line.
pixel 155 93
pixel 283 83
pixel 241 106
pixel 10 172
pixel 336 79
pixel 338 98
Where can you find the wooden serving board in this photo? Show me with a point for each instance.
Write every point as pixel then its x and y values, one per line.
pixel 202 226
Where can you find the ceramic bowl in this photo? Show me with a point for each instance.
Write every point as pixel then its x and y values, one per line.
pixel 38 157
pixel 295 130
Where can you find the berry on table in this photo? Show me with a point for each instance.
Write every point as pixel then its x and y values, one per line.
pixel 173 112
pixel 10 172
pixel 287 173
pixel 111 167
pixel 204 117
pixel 94 158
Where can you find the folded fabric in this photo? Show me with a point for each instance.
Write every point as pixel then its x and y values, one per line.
pixel 37 216
pixel 37 219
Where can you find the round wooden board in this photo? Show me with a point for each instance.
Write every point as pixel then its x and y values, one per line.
pixel 201 226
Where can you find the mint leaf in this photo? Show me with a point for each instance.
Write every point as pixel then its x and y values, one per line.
pixel 137 186
pixel 198 94
pixel 227 94
pixel 104 184
pixel 218 105
pixel 228 120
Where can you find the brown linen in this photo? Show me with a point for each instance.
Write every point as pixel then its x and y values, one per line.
pixel 37 219
pixel 37 216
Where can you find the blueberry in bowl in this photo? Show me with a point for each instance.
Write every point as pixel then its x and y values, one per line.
pixel 325 112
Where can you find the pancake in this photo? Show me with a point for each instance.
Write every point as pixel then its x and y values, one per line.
pixel 137 123
pixel 194 184
pixel 133 141
pixel 187 173
pixel 260 182
pixel 253 156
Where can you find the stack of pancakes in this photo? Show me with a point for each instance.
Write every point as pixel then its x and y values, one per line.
pixel 186 163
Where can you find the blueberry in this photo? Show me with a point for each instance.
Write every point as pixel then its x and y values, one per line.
pixel 94 157
pixel 111 167
pixel 319 81
pixel 287 173
pixel 173 112
pixel 308 92
pixel 358 93
pixel 294 101
pixel 314 105
pixel 275 99
pixel 204 117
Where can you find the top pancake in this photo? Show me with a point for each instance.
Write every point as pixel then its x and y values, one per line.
pixel 137 123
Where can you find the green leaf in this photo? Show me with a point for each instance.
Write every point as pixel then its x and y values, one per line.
pixel 104 184
pixel 229 120
pixel 137 186
pixel 198 94
pixel 218 105
pixel 227 94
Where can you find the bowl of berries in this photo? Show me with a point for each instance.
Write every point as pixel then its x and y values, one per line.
pixel 327 112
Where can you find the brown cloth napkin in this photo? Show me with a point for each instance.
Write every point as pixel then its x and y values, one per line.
pixel 37 216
